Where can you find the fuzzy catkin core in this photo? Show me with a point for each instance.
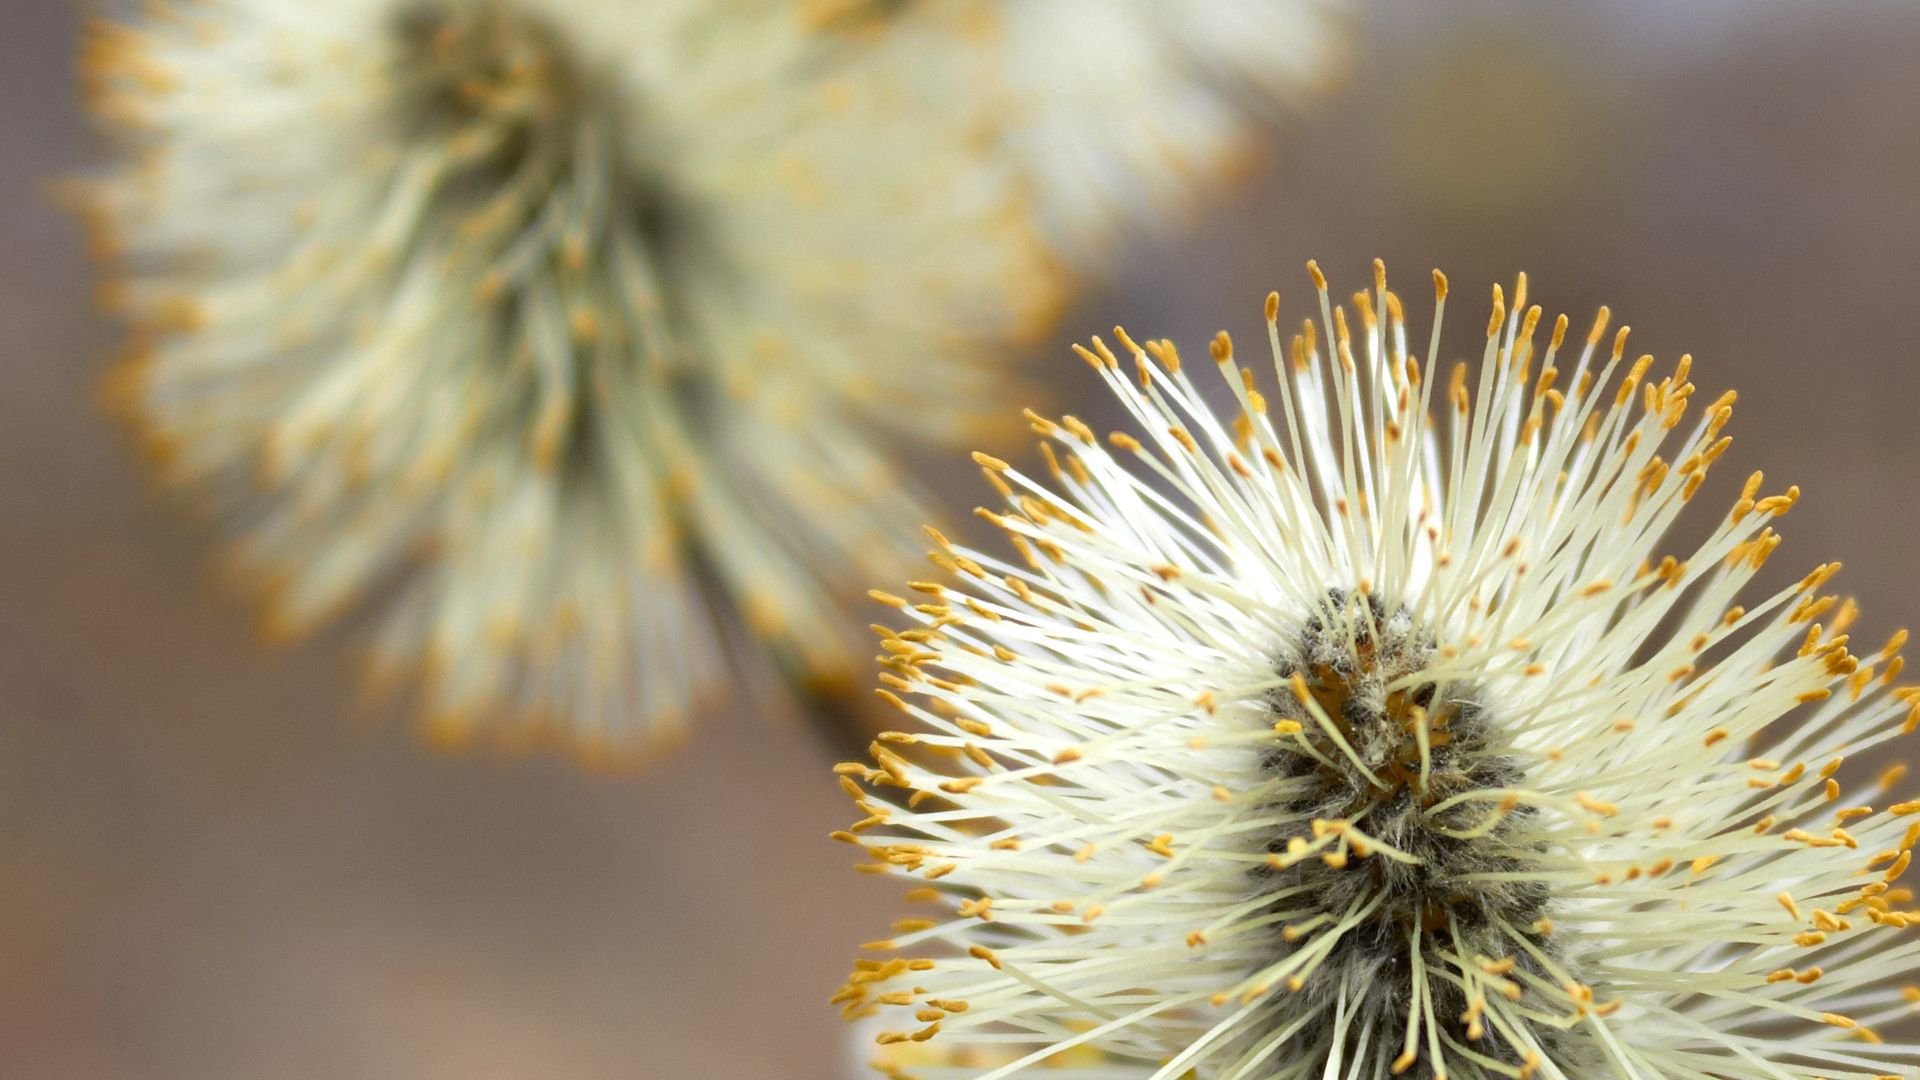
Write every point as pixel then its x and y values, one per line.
pixel 501 77
pixel 545 212
pixel 1355 667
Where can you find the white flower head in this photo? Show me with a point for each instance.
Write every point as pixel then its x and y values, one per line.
pixel 1120 113
pixel 1367 731
pixel 553 320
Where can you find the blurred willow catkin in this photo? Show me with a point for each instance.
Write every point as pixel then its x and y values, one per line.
pixel 1116 115
pixel 562 334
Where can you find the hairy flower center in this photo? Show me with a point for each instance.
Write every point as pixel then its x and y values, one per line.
pixel 527 192
pixel 1400 860
pixel 487 64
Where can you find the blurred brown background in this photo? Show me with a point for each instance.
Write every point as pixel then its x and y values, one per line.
pixel 209 869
